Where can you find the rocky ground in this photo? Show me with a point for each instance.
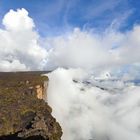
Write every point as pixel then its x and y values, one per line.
pixel 23 112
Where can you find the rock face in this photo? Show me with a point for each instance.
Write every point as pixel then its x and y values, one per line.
pixel 23 112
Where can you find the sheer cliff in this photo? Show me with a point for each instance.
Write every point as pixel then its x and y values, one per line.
pixel 23 112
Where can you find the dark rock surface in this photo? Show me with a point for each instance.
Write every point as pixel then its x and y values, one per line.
pixel 22 114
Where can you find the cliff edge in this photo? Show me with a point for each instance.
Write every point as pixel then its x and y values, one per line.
pixel 23 112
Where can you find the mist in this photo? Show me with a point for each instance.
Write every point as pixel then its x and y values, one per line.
pixel 93 91
pixel 88 112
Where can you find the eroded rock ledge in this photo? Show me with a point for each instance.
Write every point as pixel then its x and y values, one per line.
pixel 23 113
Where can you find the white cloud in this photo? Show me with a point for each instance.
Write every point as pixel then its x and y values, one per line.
pixel 130 47
pixel 12 66
pixel 95 51
pixel 19 47
pixel 18 20
pixel 78 49
pixel 87 112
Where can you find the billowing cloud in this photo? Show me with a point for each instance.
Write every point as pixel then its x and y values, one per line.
pixel 20 20
pixel 87 49
pixel 19 47
pixel 130 47
pixel 110 50
pixel 108 110
pixel 78 49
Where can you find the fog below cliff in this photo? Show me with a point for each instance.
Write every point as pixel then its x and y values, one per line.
pixel 94 109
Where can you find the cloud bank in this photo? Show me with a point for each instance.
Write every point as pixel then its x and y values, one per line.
pixel 22 48
pixel 87 112
pixel 108 51
pixel 19 47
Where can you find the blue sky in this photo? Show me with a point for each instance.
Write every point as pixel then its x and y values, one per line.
pixel 56 16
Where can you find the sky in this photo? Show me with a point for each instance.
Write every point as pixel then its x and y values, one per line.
pixel 94 35
pixel 53 17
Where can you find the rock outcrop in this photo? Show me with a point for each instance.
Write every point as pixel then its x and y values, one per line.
pixel 23 112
